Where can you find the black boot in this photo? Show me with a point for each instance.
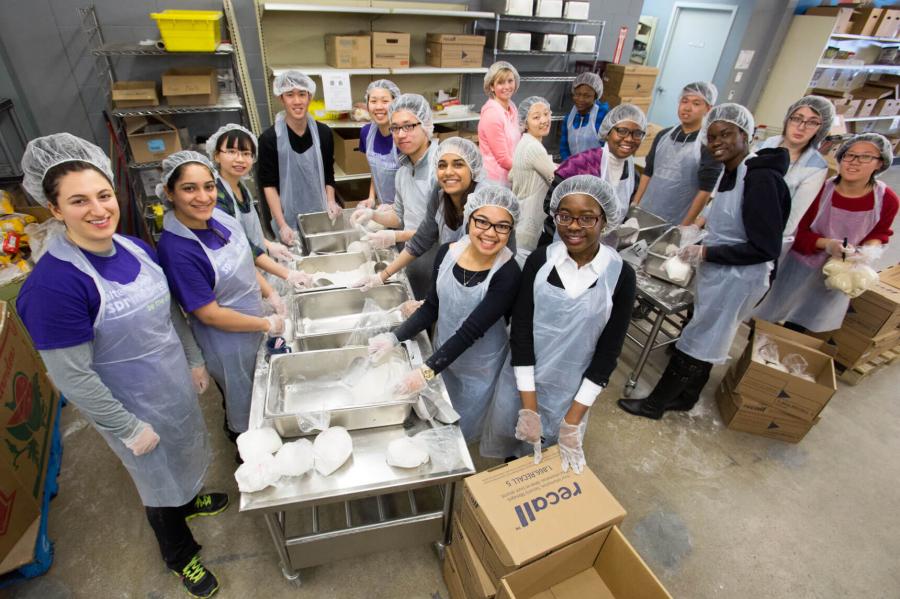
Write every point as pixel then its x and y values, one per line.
pixel 668 388
pixel 698 374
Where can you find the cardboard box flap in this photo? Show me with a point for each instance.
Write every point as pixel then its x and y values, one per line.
pixel 623 570
pixel 135 125
pixel 134 90
pixel 794 337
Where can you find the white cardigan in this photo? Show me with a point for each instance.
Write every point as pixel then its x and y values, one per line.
pixel 530 178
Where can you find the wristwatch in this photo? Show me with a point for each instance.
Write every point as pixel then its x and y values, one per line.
pixel 427 373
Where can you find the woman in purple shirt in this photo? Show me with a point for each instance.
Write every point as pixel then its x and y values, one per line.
pixel 377 143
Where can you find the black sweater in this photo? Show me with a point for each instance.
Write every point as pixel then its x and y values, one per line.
pixel 267 166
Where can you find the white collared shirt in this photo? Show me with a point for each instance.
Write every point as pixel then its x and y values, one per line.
pixel 576 280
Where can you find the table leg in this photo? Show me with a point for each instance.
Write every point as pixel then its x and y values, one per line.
pixel 645 353
pixel 449 495
pixel 276 529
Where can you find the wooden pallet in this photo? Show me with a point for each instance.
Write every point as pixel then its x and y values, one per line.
pixel 854 375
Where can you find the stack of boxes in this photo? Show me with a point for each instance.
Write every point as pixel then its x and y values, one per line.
pixel 880 22
pixel 528 529
pixel 391 50
pixel 629 84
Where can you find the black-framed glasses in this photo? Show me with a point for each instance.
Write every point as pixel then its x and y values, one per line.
pixel 233 153
pixel 395 129
pixel 801 124
pixel 484 224
pixel 585 221
pixel 860 158
pixel 636 134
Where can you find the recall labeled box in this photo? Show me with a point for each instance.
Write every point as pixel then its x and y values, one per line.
pixel 629 80
pixel 519 512
pixel 476 581
pixel 348 51
pixel 577 10
pixel 748 416
pixel 603 565
pixel 195 86
pixel 451 50
pixel 346 152
pixel 134 94
pixel 550 42
pixel 390 50
pixel 151 138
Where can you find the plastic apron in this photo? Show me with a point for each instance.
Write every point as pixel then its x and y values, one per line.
pixel 675 181
pixel 725 295
pixel 301 177
pixel 799 294
pixel 139 357
pixel 249 220
pixel 565 333
pixel 624 189
pixel 585 137
pixel 230 357
pixel 471 378
pixel 383 166
pixel 511 136
pixel 445 233
pixel 415 184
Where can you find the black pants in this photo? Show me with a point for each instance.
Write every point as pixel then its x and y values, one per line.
pixel 176 543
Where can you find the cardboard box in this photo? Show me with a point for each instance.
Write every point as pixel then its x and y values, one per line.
pixel 194 86
pixel 874 313
pixel 871 92
pixel 515 40
pixel 390 50
pixel 603 565
pixel 583 44
pixel 134 94
pixel 577 10
pixel 627 80
pixel 518 512
pixel 470 135
pixel 889 24
pixel 348 51
pixel 151 138
pixel 846 107
pixel 652 131
pixel 550 42
pixel 854 349
pixel 521 8
pixel 740 414
pixel 28 412
pixel 450 50
pixel 865 21
pixel 866 108
pixel 451 575
pixel 442 132
pixel 844 16
pixel 551 9
pixel 886 107
pixel 476 581
pixel 889 81
pixel 346 152
pixel 642 102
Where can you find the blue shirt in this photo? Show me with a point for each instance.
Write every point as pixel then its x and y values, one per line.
pixel 579 121
pixel 383 143
pixel 191 275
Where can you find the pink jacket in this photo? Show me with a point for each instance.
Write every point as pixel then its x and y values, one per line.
pixel 498 134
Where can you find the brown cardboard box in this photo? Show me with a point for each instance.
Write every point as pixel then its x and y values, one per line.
pixel 442 132
pixel 889 23
pixel 518 512
pixel 346 152
pixel 886 107
pixel 652 131
pixel 866 108
pixel 451 50
pixel 629 80
pixel 470 135
pixel 348 51
pixel 475 579
pixel 134 94
pixel 451 575
pixel 151 138
pixel 865 21
pixel 602 565
pixel 871 92
pixel 390 50
pixel 853 349
pixel 877 311
pixel 194 86
pixel 844 16
pixel 846 107
pixel 889 81
pixel 642 102
pixel 747 416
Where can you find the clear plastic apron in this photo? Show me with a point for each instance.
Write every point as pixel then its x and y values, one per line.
pixel 383 166
pixel 249 220
pixel 139 357
pixel 301 177
pixel 585 137
pixel 675 180
pixel 445 233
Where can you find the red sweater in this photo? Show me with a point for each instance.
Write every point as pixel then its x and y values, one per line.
pixel 805 243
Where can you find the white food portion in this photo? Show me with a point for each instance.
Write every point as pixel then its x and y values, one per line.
pixel 329 393
pixel 295 458
pixel 403 453
pixel 332 448
pixel 256 474
pixel 677 269
pixel 258 442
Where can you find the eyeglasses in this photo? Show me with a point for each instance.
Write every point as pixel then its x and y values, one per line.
pixel 801 124
pixel 861 158
pixel 395 129
pixel 636 134
pixel 484 224
pixel 586 221
pixel 232 153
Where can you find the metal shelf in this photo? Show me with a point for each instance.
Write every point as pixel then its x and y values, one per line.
pixel 438 119
pixel 546 78
pixel 519 19
pixel 226 103
pixel 373 10
pixel 865 38
pixel 429 70
pixel 319 69
pixel 340 175
pixel 138 50
pixel 857 119
pixel 541 53
pixel 874 68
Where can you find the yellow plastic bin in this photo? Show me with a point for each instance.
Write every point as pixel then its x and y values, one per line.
pixel 189 30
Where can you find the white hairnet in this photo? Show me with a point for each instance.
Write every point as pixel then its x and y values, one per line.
pixel 293 79
pixel 383 84
pixel 212 143
pixel 704 89
pixel 821 106
pixel 463 148
pixel 592 80
pixel 525 106
pixel 735 114
pixel 492 74
pixel 44 153
pixel 492 195
pixel 173 161
pixel 417 105
pixel 597 188
pixel 619 114
pixel 877 140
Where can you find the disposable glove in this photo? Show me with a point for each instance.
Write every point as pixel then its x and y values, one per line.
pixel 529 429
pixel 381 239
pixel 277 304
pixel 412 383
pixel 276 325
pixel 300 279
pixel 408 307
pixel 279 251
pixel 144 442
pixel 287 235
pixel 837 249
pixel 362 216
pixel 571 451
pixel 381 345
pixel 368 282
pixel 366 203
pixel 334 211
pixel 692 254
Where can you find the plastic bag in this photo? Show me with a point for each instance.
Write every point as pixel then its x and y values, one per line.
pixel 442 445
pixel 295 458
pixel 677 269
pixel 690 235
pixel 432 405
pixel 257 442
pixel 314 420
pixel 403 453
pixel 798 366
pixel 765 351
pixel 332 448
pixel 851 277
pixel 39 234
pixel 256 474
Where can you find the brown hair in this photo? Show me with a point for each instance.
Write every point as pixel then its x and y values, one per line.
pixel 54 175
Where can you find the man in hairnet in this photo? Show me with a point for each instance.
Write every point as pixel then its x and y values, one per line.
pixel 296 159
pixel 680 172
pixel 581 125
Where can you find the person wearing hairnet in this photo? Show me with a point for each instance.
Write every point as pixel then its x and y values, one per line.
pixel 99 312
pixel 531 173
pixel 582 124
pixel 498 129
pixel 474 283
pixel 806 124
pixel 680 172
pixel 744 225
pixel 208 263
pixel 568 328
pixel 296 159
pixel 853 211
pixel 233 149
pixel 377 143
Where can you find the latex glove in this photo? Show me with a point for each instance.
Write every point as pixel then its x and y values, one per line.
pixel 362 216
pixel 334 211
pixel 381 345
pixel 381 239
pixel 385 208
pixel 412 383
pixel 144 442
pixel 836 249
pixel 368 282
pixel 280 252
pixel 692 254
pixel 277 303
pixel 529 429
pixel 301 279
pixel 408 307
pixel 287 235
pixel 366 203
pixel 571 451
pixel 200 378
pixel 276 325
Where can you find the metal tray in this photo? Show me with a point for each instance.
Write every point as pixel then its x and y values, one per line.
pixel 340 310
pixel 317 234
pixel 650 226
pixel 331 263
pixel 657 255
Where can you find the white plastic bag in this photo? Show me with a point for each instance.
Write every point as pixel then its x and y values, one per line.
pixel 256 474
pixel 257 442
pixel 295 458
pixel 403 453
pixel 332 448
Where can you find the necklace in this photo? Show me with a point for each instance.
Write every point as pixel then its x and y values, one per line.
pixel 468 279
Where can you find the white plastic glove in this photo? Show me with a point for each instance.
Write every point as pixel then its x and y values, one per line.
pixel 837 249
pixel 412 383
pixel 279 251
pixel 366 203
pixel 385 208
pixel 408 307
pixel 287 235
pixel 277 303
pixel 528 429
pixel 692 254
pixel 276 325
pixel 381 240
pixel 200 378
pixel 144 442
pixel 362 216
pixel 334 211
pixel 381 345
pixel 368 282
pixel 571 452
pixel 298 278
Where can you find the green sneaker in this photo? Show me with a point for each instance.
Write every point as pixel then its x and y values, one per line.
pixel 207 504
pixel 197 580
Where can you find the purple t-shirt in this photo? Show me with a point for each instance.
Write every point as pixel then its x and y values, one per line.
pixel 58 303
pixel 191 276
pixel 383 143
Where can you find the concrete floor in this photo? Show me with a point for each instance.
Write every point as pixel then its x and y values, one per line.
pixel 715 513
